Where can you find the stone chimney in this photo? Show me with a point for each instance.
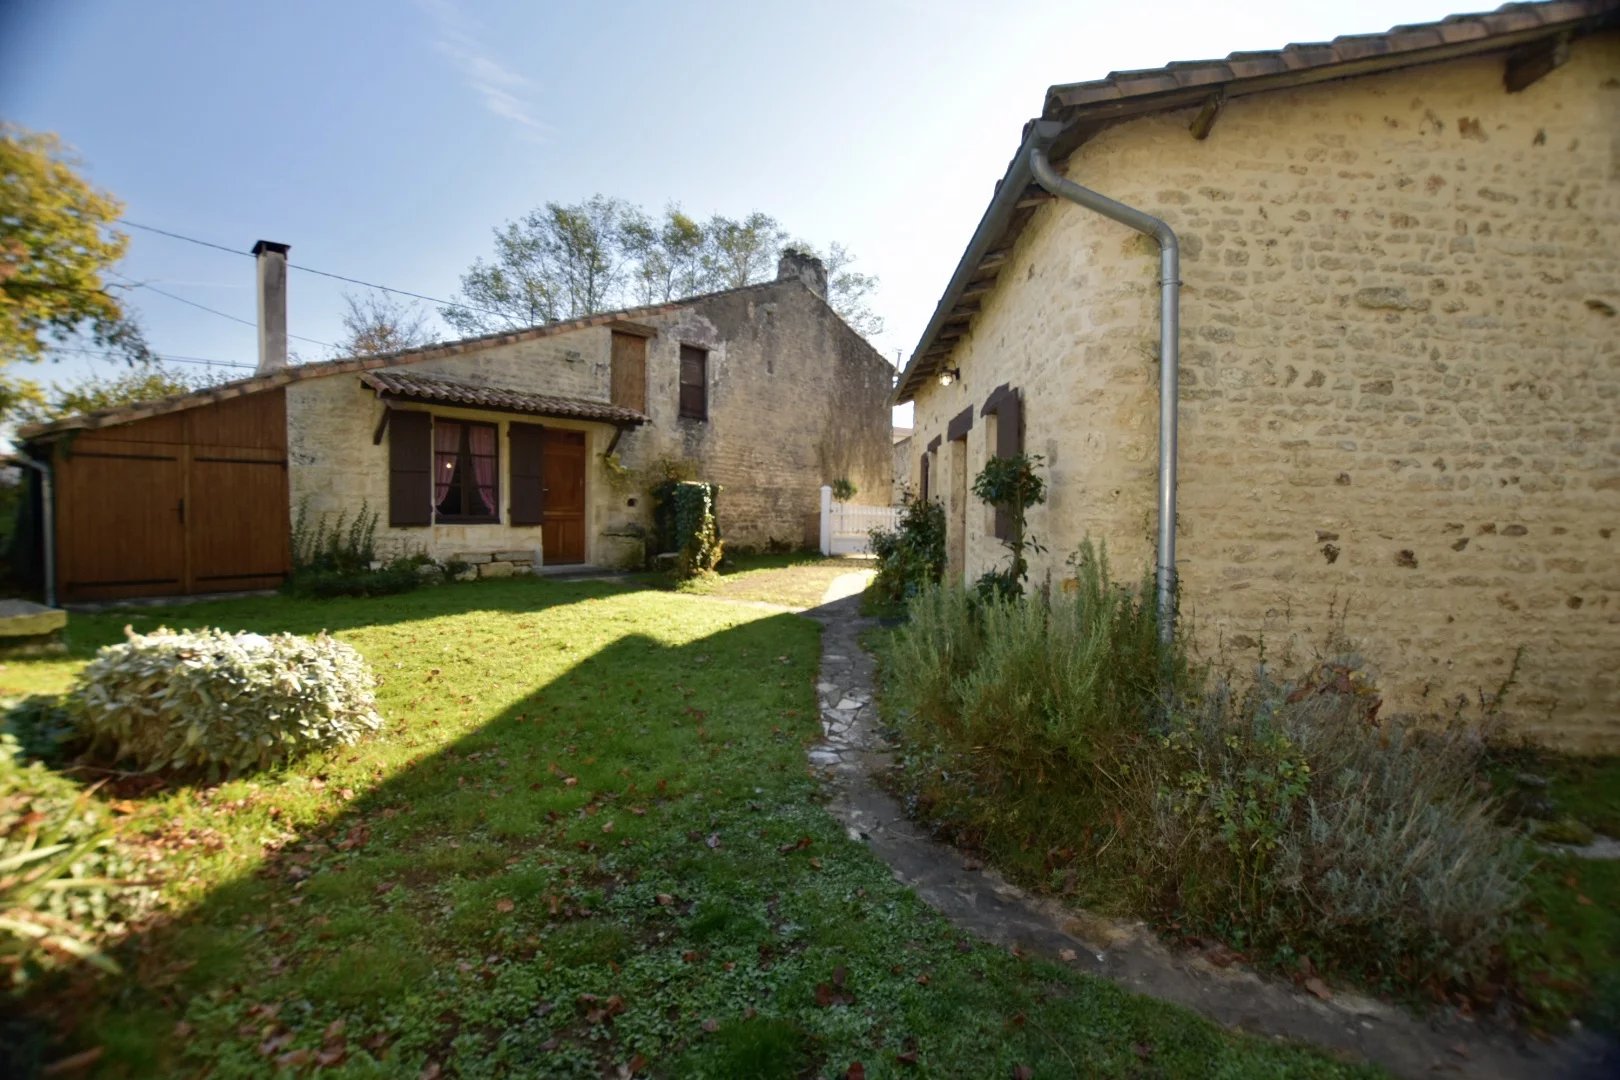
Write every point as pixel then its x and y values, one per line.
pixel 807 268
pixel 272 275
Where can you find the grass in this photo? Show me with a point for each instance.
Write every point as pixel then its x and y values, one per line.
pixel 796 580
pixel 1572 946
pixel 587 844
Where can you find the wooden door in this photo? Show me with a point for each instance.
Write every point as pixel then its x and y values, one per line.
pixel 121 521
pixel 189 502
pixel 629 386
pixel 562 471
pixel 237 541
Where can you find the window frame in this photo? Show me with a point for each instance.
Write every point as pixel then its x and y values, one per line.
pixel 700 354
pixel 464 472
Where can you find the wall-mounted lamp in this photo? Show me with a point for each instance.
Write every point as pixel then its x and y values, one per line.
pixel 949 375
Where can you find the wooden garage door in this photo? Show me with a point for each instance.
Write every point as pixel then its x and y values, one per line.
pixel 192 502
pixel 119 521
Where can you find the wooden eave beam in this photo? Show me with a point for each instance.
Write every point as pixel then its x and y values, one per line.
pixel 1531 64
pixel 1033 196
pixel 1204 122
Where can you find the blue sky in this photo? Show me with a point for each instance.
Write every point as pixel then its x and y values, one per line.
pixel 383 140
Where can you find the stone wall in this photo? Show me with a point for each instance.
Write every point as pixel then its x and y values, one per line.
pixel 903 480
pixel 1400 375
pixel 796 399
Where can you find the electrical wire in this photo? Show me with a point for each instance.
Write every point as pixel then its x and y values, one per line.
pixel 165 357
pixel 322 273
pixel 212 311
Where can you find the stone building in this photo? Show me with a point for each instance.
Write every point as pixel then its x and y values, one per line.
pixel 513 450
pixel 1399 354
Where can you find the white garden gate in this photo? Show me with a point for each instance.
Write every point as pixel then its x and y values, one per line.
pixel 846 528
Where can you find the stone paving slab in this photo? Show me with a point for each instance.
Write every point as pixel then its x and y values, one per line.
pixel 977 899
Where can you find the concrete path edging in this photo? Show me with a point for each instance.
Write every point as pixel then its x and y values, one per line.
pixel 977 899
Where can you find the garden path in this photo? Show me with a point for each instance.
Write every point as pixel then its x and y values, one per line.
pixel 854 752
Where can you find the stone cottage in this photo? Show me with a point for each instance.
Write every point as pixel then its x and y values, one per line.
pixel 1399 358
pixel 530 448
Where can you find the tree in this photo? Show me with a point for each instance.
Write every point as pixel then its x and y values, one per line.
pixel 741 252
pixel 848 291
pixel 148 382
pixel 376 323
pixel 564 262
pixel 664 259
pixel 558 262
pixel 56 244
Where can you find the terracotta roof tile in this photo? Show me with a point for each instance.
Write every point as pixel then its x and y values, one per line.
pixel 428 388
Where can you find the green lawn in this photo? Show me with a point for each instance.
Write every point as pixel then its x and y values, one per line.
pixel 587 844
pixel 795 580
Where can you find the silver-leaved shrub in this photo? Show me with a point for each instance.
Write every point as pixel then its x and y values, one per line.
pixel 172 699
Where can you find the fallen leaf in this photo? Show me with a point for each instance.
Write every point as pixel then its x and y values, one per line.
pixel 1068 956
pixel 711 1025
pixel 1023 1072
pixel 294 1059
pixel 908 1057
pixel 504 905
pixel 922 980
pixel 430 1071
pixel 856 1071
pixel 1583 900
pixel 713 841
pixel 664 899
pixel 1318 987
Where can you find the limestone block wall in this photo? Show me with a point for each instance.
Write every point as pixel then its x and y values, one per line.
pixel 796 399
pixel 1400 374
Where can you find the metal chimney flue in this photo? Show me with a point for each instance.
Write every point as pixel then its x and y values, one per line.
pixel 271 258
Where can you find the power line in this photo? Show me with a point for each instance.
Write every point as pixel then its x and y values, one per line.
pixel 323 273
pixel 178 236
pixel 166 357
pixel 212 311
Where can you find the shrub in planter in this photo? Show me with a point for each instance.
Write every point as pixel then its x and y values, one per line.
pixel 65 887
pixel 206 697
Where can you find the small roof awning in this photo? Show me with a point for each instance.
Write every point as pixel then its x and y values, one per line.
pixel 431 390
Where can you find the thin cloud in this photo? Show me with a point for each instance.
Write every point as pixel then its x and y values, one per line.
pixel 504 92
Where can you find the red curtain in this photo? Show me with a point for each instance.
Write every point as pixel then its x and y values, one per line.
pixel 481 444
pixel 446 448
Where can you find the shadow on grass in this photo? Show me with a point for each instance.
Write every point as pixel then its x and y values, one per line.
pixel 470 905
pixel 587 845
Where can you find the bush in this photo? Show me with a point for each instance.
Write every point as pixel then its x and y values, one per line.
pixel 911 557
pixel 65 888
pixel 684 518
pixel 206 697
pixel 843 490
pixel 400 575
pixel 1284 817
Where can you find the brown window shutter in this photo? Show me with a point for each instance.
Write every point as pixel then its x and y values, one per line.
pixel 694 382
pixel 410 469
pixel 628 375
pixel 526 443
pixel 1009 443
pixel 923 473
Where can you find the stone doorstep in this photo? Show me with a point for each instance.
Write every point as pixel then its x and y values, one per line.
pixel 526 556
pixel 499 569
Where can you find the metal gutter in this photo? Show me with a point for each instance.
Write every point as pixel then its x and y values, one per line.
pixel 1169 361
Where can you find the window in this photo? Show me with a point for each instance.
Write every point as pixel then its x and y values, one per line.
pixel 694 382
pixel 465 471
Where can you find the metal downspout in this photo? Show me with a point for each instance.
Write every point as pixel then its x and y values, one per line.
pixel 47 522
pixel 1169 361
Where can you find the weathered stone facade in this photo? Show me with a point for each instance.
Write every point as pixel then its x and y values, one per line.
pixel 1400 376
pixel 795 399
